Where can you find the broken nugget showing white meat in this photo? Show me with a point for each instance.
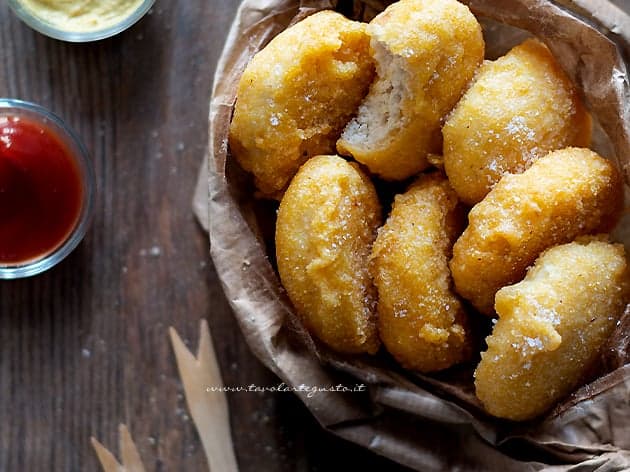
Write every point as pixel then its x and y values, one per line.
pixel 518 108
pixel 326 226
pixel 421 321
pixel 552 327
pixel 426 52
pixel 296 95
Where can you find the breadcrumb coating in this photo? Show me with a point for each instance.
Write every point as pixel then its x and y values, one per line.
pixel 326 226
pixel 296 95
pixel 421 321
pixel 565 194
pixel 552 327
pixel 519 108
pixel 426 52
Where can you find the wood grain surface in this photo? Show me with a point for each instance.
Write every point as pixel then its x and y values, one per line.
pixel 84 347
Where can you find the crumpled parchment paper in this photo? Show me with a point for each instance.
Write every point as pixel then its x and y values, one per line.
pixel 425 422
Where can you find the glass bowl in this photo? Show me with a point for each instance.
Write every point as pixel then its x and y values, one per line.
pixel 53 31
pixel 37 115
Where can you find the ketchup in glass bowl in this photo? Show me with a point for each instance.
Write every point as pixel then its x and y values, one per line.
pixel 46 189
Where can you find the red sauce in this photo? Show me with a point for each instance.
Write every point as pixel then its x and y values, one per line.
pixel 40 191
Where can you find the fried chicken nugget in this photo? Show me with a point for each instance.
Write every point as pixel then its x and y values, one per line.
pixel 519 108
pixel 326 226
pixel 421 321
pixel 552 327
pixel 296 95
pixel 563 195
pixel 426 52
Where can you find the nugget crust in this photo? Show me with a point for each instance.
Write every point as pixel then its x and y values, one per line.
pixel 326 226
pixel 421 321
pixel 565 194
pixel 297 94
pixel 551 328
pixel 519 108
pixel 426 52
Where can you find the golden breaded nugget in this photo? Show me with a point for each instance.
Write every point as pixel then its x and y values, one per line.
pixel 297 94
pixel 519 108
pixel 421 321
pixel 426 52
pixel 565 194
pixel 326 225
pixel 552 327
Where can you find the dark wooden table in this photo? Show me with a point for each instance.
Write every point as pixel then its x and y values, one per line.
pixel 84 347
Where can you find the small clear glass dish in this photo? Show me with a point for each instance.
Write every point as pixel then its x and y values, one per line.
pixel 43 121
pixel 54 31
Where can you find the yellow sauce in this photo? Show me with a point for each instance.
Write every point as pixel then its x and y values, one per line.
pixel 81 15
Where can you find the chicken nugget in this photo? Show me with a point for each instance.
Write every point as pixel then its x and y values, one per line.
pixel 326 226
pixel 426 52
pixel 421 321
pixel 519 108
pixel 296 95
pixel 552 327
pixel 563 195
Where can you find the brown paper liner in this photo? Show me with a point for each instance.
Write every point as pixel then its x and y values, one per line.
pixel 425 422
